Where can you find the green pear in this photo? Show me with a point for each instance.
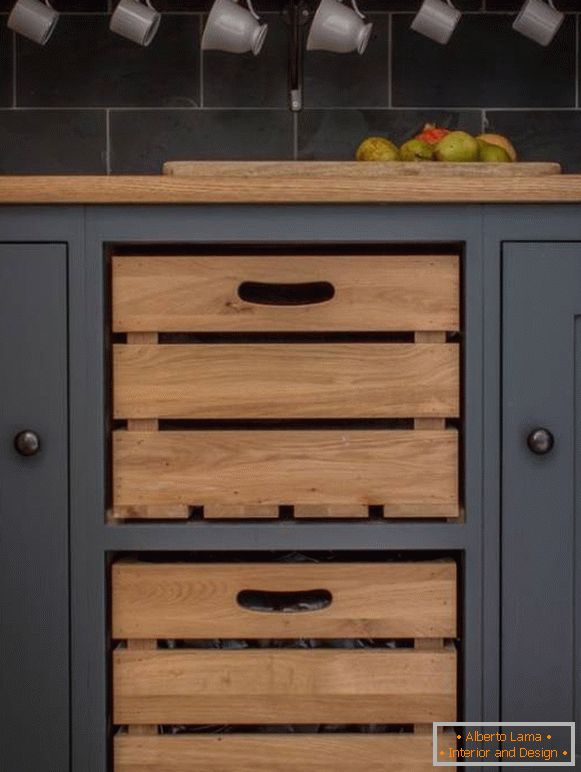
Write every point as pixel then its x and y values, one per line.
pixel 377 149
pixel 457 147
pixel 416 150
pixel 492 154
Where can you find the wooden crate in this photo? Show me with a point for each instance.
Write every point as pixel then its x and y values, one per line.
pixel 321 471
pixel 272 686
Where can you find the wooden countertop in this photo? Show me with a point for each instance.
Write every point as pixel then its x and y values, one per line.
pixel 293 183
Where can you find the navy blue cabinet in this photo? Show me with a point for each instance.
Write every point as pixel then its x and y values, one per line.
pixel 34 608
pixel 541 491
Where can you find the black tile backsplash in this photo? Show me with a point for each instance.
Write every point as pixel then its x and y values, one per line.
pixel 6 74
pixel 91 102
pixel 350 80
pixel 53 142
pixel 486 64
pixel 246 80
pixel 85 65
pixel 142 140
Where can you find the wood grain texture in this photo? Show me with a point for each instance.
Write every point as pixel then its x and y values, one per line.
pixel 145 729
pixel 280 686
pixel 369 600
pixel 302 183
pixel 274 753
pixel 355 171
pixel 342 380
pixel 286 467
pixel 378 293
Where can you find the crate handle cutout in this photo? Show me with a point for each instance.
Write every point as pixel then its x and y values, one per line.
pixel 286 294
pixel 286 602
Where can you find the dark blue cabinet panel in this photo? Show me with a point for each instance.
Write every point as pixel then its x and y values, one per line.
pixel 34 609
pixel 541 493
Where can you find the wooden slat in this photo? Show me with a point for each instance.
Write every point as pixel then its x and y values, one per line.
pixel 274 753
pixel 150 512
pixel 369 600
pixel 432 422
pixel 427 644
pixel 278 686
pixel 239 512
pixel 189 294
pixel 321 511
pixel 344 380
pixel 142 730
pixel 286 467
pixel 147 424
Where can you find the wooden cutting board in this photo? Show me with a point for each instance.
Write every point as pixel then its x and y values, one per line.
pixel 354 169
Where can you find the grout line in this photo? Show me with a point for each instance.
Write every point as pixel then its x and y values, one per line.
pixel 14 77
pixel 108 141
pixel 295 136
pixel 390 61
pixel 483 122
pixel 201 32
pixel 338 109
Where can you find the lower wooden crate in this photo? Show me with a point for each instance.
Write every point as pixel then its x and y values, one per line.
pixel 274 753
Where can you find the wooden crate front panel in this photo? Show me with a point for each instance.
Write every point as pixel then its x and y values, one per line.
pixel 267 753
pixel 368 600
pixel 194 294
pixel 398 686
pixel 412 469
pixel 342 380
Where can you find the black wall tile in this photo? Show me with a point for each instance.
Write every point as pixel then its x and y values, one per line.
pixel 52 142
pixel 142 140
pixel 335 134
pixel 513 6
pixel 486 64
pixel 350 80
pixel 86 65
pixel 232 80
pixel 412 6
pixel 5 65
pixel 65 6
pixel 542 135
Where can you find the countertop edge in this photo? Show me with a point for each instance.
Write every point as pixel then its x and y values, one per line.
pixel 312 189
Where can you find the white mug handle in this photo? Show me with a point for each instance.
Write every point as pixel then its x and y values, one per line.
pixel 451 4
pixel 149 5
pixel 552 4
pixel 251 9
pixel 356 9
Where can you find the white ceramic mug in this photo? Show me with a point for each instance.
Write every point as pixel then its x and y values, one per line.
pixel 538 21
pixel 436 20
pixel 33 19
pixel 338 28
pixel 135 20
pixel 234 29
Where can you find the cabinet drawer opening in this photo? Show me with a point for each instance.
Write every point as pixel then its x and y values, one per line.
pixel 373 668
pixel 333 390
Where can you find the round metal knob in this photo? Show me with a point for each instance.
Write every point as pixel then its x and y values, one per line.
pixel 540 441
pixel 27 443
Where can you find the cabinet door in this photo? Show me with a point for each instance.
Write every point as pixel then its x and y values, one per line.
pixel 34 611
pixel 541 493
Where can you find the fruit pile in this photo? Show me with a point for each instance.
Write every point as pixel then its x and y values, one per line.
pixel 436 144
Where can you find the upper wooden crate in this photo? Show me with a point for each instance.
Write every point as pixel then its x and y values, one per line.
pixel 406 368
